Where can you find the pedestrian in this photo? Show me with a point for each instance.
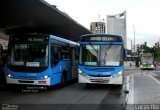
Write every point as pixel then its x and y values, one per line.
pixel 130 64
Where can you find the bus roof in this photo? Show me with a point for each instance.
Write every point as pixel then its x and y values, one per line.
pixel 85 35
pixel 64 40
pixel 22 36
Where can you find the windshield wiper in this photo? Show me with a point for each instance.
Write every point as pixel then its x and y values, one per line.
pixel 93 48
pixel 106 51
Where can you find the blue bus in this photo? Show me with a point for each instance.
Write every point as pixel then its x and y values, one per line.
pixel 37 59
pixel 101 59
pixel 3 54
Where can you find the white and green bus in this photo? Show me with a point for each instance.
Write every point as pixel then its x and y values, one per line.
pixel 147 61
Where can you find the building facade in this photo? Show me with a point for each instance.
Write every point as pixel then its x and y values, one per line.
pixel 98 27
pixel 116 24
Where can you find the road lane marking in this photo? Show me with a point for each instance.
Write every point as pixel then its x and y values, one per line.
pixel 132 88
pixel 157 81
pixel 131 91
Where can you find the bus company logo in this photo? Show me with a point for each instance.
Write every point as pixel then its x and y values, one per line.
pixel 106 73
pixel 31 74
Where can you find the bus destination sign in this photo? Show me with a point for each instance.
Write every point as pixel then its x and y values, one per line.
pixel 35 39
pixel 28 39
pixel 101 39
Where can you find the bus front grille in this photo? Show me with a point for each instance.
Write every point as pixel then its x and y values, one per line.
pixel 21 81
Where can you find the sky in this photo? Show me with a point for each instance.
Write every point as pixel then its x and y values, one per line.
pixel 142 14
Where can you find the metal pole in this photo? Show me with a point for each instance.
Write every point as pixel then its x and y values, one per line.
pixel 142 50
pixel 131 45
pixel 134 38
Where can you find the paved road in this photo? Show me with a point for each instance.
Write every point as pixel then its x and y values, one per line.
pixel 72 96
pixel 143 89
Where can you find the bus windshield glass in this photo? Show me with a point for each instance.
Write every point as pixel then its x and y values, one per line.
pixel 147 60
pixel 101 55
pixel 28 55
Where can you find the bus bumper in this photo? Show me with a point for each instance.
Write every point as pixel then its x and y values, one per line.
pixel 147 67
pixel 117 80
pixel 44 82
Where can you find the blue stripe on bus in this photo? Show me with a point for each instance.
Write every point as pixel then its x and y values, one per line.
pixel 103 71
pixel 88 35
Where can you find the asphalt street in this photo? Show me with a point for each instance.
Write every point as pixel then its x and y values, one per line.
pixel 144 88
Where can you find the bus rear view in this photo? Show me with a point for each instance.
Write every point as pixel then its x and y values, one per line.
pixel 101 59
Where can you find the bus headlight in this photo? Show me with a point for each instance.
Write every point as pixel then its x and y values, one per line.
pixel 79 71
pixel 152 66
pixel 45 77
pixel 9 75
pixel 120 72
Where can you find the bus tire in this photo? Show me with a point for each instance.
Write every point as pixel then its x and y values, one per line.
pixel 120 86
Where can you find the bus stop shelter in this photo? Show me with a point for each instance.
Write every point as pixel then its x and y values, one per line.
pixel 37 16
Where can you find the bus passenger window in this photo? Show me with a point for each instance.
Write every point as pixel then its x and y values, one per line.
pixel 66 53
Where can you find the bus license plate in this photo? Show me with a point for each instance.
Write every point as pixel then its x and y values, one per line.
pixel 99 80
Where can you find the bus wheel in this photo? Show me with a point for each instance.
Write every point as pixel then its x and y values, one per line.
pixel 63 80
pixel 121 86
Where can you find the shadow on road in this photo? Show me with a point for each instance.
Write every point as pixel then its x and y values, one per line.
pixel 103 87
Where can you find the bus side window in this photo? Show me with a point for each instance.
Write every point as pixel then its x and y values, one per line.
pixel 66 53
pixel 55 55
pixel 77 54
pixel 122 57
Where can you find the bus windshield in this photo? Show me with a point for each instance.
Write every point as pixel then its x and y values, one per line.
pixel 147 60
pixel 28 55
pixel 101 55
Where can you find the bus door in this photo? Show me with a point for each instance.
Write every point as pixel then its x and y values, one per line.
pixel 74 66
